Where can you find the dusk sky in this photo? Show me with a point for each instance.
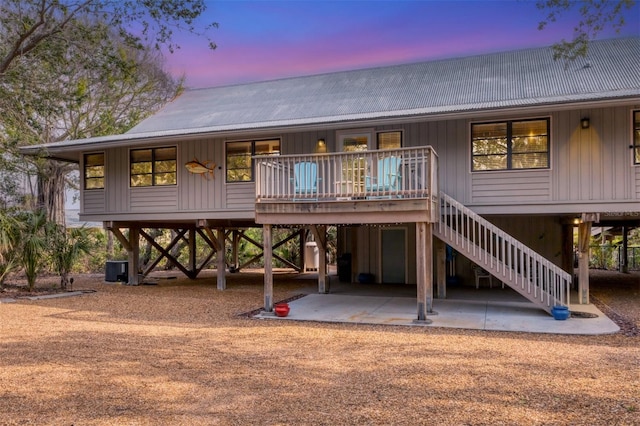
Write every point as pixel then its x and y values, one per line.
pixel 265 40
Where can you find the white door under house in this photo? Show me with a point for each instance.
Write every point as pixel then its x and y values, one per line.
pixel 393 253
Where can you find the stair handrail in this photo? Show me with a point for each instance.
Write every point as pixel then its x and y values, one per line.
pixel 502 254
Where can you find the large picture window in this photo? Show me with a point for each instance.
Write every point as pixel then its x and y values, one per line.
pixel 94 171
pixel 510 145
pixel 636 137
pixel 239 162
pixel 153 166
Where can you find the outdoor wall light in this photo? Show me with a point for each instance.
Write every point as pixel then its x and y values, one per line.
pixel 321 146
pixel 584 123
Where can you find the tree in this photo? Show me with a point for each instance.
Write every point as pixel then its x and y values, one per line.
pixel 73 95
pixel 75 69
pixel 27 24
pixel 595 17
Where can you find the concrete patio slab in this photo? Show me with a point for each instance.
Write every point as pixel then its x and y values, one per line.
pixel 448 313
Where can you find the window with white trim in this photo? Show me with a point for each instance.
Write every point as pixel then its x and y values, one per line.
pixel 510 145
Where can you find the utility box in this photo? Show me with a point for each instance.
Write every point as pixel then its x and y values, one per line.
pixel 116 270
pixel 311 256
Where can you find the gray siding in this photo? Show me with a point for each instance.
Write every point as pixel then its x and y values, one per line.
pixel 198 192
pixel 528 186
pixel 93 201
pixel 158 199
pixel 241 196
pixel 592 164
pixel 637 183
pixel 591 167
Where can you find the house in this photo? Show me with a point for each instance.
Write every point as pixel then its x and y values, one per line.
pixel 499 156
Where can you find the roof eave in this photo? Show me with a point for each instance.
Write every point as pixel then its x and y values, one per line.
pixel 70 150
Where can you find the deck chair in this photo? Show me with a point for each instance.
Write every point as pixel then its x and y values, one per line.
pixel 388 178
pixel 481 273
pixel 305 181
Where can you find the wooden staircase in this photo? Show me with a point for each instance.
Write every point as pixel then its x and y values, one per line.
pixel 521 268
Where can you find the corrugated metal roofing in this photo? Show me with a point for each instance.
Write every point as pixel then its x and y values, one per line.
pixel 499 80
pixel 515 78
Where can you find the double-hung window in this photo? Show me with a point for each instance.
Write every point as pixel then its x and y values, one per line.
pixel 239 157
pixel 153 166
pixel 94 171
pixel 636 137
pixel 510 145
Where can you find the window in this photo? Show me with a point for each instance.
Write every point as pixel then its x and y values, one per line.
pixel 510 145
pixel 636 137
pixel 153 166
pixel 94 171
pixel 390 140
pixel 239 157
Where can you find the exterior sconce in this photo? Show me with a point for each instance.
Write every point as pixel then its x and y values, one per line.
pixel 584 123
pixel 321 146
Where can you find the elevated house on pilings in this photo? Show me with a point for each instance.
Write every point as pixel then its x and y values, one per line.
pixel 497 156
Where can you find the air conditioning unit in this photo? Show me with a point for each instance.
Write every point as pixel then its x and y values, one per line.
pixel 116 270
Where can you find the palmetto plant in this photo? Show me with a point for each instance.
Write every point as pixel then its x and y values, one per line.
pixel 33 244
pixel 67 246
pixel 9 241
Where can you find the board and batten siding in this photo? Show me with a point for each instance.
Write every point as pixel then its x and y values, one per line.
pixel 637 170
pixel 198 192
pixel 449 139
pixel 593 164
pixel 586 165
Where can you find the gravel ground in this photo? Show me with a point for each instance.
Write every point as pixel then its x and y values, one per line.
pixel 182 353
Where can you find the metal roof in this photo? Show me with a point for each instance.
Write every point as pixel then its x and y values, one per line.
pixel 511 79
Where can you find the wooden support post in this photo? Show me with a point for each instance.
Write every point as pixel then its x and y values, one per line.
pixel 584 235
pixel 303 240
pixel 624 256
pixel 441 268
pixel 424 269
pixel 134 256
pixel 320 235
pixel 268 268
pixel 221 265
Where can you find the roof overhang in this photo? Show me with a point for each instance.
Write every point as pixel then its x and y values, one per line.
pixel 71 150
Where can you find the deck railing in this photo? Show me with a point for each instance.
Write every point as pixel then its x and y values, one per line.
pixel 396 173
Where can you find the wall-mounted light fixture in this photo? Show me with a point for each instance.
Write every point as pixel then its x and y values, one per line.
pixel 584 123
pixel 321 146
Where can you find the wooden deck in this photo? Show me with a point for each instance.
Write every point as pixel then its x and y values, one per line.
pixel 383 186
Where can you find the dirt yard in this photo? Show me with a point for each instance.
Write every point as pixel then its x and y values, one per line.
pixel 181 352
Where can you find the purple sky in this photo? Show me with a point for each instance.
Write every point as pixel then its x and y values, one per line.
pixel 264 40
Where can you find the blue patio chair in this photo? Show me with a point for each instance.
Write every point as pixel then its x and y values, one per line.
pixel 388 177
pixel 305 181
